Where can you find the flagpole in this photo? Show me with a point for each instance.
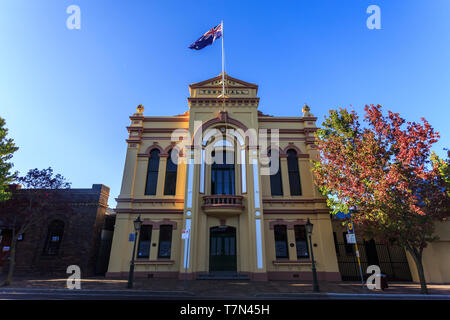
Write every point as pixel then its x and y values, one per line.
pixel 223 66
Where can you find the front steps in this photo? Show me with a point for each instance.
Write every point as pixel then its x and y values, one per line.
pixel 223 275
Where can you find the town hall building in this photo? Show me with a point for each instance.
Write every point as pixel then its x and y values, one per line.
pixel 206 174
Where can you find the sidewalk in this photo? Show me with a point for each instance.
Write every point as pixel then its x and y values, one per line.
pixel 217 288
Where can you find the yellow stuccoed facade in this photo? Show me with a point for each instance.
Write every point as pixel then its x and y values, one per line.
pixel 235 223
pixel 436 257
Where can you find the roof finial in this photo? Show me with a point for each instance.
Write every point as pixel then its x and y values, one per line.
pixel 305 111
pixel 140 109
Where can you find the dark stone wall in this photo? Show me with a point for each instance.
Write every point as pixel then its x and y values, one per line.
pixel 81 210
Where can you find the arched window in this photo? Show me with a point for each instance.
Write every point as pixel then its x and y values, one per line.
pixel 54 238
pixel 276 185
pixel 152 173
pixel 222 173
pixel 294 174
pixel 170 184
pixel 281 243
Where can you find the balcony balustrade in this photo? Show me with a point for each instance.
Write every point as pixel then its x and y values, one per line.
pixel 223 203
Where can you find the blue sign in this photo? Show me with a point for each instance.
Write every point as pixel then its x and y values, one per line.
pixel 342 215
pixel 131 237
pixel 350 228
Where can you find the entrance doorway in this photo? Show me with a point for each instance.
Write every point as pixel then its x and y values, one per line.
pixel 222 249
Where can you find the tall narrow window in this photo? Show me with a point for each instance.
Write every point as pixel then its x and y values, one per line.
pixel 276 186
pixel 281 245
pixel 222 174
pixel 54 238
pixel 294 174
pixel 165 241
pixel 145 238
pixel 170 184
pixel 300 242
pixel 152 173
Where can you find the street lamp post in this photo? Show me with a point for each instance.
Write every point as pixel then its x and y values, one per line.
pixel 309 228
pixel 137 226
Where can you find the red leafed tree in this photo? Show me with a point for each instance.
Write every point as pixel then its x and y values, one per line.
pixel 383 170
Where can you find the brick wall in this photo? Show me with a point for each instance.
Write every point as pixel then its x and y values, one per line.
pixel 82 212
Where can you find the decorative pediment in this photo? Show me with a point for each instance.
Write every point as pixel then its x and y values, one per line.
pixel 216 82
pixel 212 88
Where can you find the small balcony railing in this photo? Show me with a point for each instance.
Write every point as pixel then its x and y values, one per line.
pixel 223 203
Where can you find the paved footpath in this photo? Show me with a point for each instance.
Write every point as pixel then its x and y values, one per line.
pixel 86 294
pixel 171 289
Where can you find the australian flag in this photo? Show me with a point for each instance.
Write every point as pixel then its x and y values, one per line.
pixel 208 38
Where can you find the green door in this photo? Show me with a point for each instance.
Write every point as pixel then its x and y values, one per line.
pixel 222 249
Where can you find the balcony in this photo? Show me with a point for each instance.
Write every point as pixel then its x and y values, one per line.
pixel 223 204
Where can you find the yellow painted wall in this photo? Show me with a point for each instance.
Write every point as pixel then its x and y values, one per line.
pixel 241 107
pixel 436 257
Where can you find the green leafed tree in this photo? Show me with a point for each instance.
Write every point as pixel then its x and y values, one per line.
pixel 7 149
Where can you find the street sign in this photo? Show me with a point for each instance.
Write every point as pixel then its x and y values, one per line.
pixel 185 234
pixel 131 237
pixel 350 227
pixel 351 238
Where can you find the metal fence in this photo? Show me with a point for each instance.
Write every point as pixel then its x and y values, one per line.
pixel 391 260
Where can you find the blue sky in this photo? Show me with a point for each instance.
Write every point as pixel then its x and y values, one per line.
pixel 66 94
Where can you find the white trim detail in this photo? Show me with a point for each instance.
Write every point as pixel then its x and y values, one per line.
pixel 256 182
pixel 259 257
pixel 209 134
pixel 237 135
pixel 243 172
pixel 202 173
pixel 190 183
pixel 223 143
pixel 186 248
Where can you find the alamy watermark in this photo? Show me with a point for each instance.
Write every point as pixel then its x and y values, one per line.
pixel 74 280
pixel 374 20
pixel 74 20
pixel 374 280
pixel 225 145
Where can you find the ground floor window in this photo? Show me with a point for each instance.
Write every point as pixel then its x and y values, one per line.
pixel 145 238
pixel 301 242
pixel 165 241
pixel 281 245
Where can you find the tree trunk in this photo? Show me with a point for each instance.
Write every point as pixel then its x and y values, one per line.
pixel 12 261
pixel 417 256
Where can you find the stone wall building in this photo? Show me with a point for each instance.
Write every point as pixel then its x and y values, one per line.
pixel 67 232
